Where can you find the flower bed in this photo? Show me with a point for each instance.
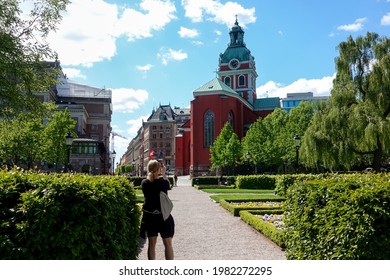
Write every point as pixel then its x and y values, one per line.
pixel 235 206
pixel 274 219
pixel 267 222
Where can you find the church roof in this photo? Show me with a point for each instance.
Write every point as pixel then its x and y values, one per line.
pixel 213 86
pixel 269 103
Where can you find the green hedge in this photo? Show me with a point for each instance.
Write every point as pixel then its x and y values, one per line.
pixel 212 180
pixel 283 182
pixel 235 209
pixel 136 180
pixel 256 182
pixel 67 217
pixel 339 217
pixel 275 234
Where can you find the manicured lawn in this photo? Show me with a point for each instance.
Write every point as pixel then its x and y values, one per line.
pixel 244 196
pixel 245 191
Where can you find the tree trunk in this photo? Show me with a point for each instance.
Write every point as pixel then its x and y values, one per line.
pixel 377 160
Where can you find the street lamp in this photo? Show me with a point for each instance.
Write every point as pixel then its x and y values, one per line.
pixel 113 162
pixel 133 171
pixel 297 143
pixel 68 142
pixel 248 158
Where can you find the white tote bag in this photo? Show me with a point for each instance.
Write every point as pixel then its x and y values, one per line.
pixel 166 205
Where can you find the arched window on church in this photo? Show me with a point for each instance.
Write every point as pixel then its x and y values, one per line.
pixel 241 80
pixel 227 81
pixel 208 128
pixel 231 119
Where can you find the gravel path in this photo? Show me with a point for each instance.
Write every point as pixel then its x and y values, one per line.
pixel 206 231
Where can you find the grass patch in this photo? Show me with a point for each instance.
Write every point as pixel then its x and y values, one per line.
pixel 239 191
pixel 269 230
pixel 236 208
pixel 244 196
pixel 215 187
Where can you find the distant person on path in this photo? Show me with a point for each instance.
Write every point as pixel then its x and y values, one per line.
pixel 152 220
pixel 175 179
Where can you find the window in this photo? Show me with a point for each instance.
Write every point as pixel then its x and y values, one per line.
pixel 231 119
pixel 227 81
pixel 208 128
pixel 241 80
pixel 84 148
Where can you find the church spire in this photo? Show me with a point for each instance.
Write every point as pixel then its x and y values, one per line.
pixel 236 35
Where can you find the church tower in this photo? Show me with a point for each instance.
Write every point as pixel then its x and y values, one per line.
pixel 237 67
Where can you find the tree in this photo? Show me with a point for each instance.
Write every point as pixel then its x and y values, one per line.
pixel 60 123
pixel 355 125
pixel 22 52
pixel 25 139
pixel 219 154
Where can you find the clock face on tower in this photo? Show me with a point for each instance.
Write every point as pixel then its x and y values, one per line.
pixel 234 64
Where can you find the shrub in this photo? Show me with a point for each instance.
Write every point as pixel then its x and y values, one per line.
pixel 276 235
pixel 283 182
pixel 212 180
pixel 68 217
pixel 339 217
pixel 256 182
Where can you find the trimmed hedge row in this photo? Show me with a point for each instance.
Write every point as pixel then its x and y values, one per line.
pixel 339 217
pixel 283 182
pixel 212 180
pixel 235 209
pixel 275 234
pixel 136 180
pixel 67 217
pixel 266 182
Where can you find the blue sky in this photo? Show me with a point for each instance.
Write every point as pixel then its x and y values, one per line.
pixel 152 52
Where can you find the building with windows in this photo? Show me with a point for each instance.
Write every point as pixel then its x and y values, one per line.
pixel 231 97
pixel 294 99
pixel 156 136
pixel 91 108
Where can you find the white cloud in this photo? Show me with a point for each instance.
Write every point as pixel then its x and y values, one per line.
pixel 89 28
pixel 73 73
pixel 170 54
pixel 125 100
pixel 213 10
pixel 135 125
pixel 144 69
pixel 386 18
pixel 319 87
pixel 356 26
pixel 188 33
pixel 137 25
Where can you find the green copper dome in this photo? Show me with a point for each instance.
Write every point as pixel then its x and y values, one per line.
pixel 237 48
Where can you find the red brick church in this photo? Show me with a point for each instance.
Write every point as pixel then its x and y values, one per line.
pixel 229 98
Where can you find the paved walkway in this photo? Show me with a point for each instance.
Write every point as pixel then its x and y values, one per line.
pixel 206 231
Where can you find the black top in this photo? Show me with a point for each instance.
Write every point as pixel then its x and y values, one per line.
pixel 151 192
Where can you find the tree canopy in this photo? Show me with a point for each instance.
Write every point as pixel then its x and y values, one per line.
pixel 25 140
pixel 354 127
pixel 23 50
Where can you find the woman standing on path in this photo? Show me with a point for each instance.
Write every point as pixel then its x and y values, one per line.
pixel 152 219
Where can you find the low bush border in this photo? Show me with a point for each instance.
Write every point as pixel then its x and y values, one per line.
pixel 267 229
pixel 235 209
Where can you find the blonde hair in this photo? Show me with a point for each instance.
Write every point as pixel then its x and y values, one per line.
pixel 153 168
